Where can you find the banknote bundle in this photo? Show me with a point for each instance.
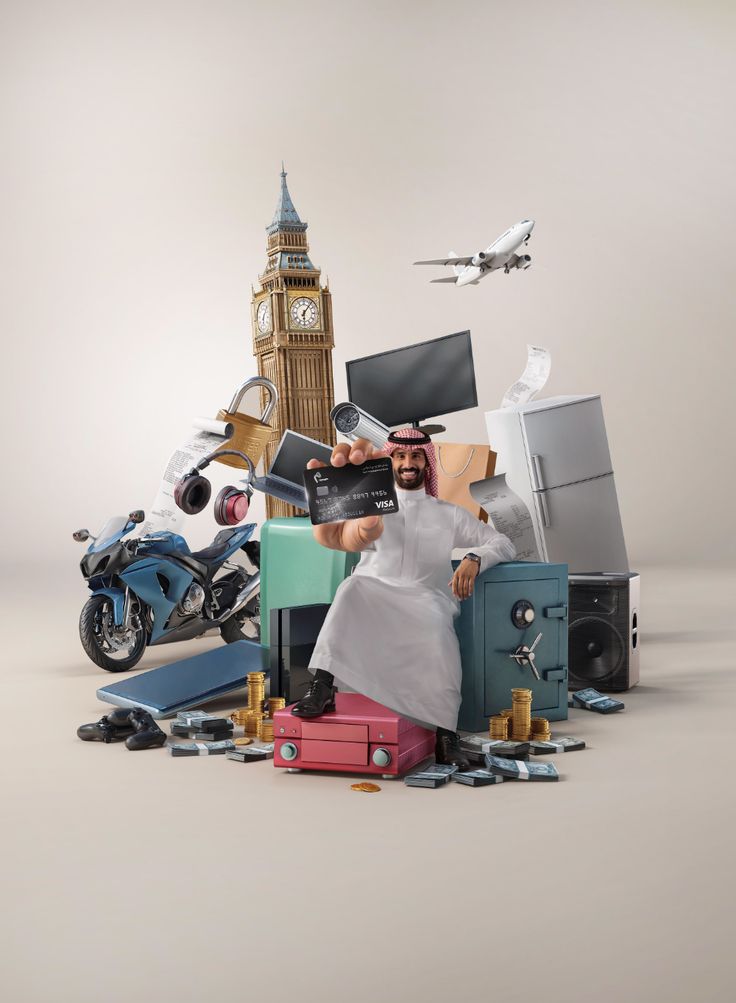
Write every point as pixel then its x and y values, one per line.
pixel 250 753
pixel 433 776
pixel 210 729
pixel 200 720
pixel 202 749
pixel 591 699
pixel 475 748
pixel 477 778
pixel 553 745
pixel 517 769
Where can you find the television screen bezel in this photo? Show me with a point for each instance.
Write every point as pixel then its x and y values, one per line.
pixel 405 348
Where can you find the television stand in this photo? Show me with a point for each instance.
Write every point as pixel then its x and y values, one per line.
pixel 429 429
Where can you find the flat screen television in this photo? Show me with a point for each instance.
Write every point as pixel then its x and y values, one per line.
pixel 417 382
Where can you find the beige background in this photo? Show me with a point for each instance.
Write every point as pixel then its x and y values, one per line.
pixel 141 148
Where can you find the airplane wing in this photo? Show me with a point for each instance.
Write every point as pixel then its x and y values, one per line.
pixel 450 278
pixel 446 261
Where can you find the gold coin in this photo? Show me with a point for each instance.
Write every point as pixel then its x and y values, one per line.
pixel 368 788
pixel 243 741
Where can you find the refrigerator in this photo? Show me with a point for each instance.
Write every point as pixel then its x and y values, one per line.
pixel 554 454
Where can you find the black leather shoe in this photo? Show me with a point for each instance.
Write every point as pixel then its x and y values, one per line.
pixel 447 750
pixel 113 727
pixel 319 699
pixel 147 735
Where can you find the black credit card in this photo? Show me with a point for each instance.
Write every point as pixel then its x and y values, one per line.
pixel 352 491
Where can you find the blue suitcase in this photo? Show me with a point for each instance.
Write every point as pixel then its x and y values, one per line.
pixel 511 604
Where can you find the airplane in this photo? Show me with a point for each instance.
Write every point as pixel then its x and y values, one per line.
pixel 500 254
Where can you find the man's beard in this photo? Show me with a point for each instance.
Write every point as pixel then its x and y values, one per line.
pixel 412 483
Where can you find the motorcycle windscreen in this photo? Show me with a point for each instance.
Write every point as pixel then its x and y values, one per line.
pixel 583 527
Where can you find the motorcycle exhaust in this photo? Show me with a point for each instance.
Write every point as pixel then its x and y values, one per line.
pixel 245 595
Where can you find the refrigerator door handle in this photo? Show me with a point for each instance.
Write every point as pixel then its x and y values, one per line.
pixel 538 484
pixel 540 500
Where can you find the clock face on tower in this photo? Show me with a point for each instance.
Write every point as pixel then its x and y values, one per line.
pixel 264 317
pixel 303 312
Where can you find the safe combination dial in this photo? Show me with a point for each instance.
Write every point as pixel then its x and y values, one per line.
pixel 522 614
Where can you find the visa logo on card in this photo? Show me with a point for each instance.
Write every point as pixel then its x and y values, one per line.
pixel 351 492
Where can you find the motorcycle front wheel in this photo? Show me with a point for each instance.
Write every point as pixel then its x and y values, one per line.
pixel 111 648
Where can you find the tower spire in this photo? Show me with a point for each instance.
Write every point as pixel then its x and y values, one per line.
pixel 285 217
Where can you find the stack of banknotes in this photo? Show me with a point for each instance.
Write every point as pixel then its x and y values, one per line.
pixel 566 744
pixel 476 747
pixel 591 699
pixel 477 778
pixel 212 730
pixel 518 769
pixel 432 776
pixel 202 748
pixel 251 753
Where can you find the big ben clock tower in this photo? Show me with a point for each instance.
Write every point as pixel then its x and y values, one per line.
pixel 293 336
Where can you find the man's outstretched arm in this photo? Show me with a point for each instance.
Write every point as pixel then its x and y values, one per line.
pixel 352 535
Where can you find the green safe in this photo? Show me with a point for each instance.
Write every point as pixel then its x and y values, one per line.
pixel 512 604
pixel 296 570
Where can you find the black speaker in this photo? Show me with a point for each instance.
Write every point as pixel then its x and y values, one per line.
pixel 293 634
pixel 603 632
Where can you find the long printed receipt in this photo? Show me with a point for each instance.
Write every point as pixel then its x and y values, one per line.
pixel 508 513
pixel 531 381
pixel 351 492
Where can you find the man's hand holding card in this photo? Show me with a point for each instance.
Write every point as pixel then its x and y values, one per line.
pixel 348 499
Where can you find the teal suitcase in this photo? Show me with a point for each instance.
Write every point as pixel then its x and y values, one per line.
pixel 296 570
pixel 494 622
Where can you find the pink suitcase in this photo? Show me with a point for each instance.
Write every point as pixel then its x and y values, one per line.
pixel 360 736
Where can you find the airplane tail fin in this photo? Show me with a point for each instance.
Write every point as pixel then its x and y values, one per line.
pixel 450 278
pixel 456 268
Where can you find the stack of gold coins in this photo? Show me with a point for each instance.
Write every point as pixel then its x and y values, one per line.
pixel 253 723
pixel 540 729
pixel 274 704
pixel 507 713
pixel 256 691
pixel 499 727
pixel 521 719
pixel 266 729
pixel 239 716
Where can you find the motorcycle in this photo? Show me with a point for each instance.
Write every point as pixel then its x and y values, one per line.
pixel 154 590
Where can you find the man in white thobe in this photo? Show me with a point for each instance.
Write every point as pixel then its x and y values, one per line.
pixel 389 633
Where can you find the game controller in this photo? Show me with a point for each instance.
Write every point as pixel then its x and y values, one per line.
pixel 113 727
pixel 135 727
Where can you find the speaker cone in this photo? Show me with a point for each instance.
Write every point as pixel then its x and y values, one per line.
pixel 596 652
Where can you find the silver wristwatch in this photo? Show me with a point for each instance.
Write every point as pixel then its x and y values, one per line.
pixel 473 557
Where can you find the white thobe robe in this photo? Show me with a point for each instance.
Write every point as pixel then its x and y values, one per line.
pixel 389 633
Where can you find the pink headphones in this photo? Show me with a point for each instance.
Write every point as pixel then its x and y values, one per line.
pixel 193 491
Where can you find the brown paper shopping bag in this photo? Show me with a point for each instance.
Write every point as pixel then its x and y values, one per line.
pixel 458 465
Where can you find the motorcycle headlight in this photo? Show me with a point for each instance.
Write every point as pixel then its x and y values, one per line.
pixel 94 564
